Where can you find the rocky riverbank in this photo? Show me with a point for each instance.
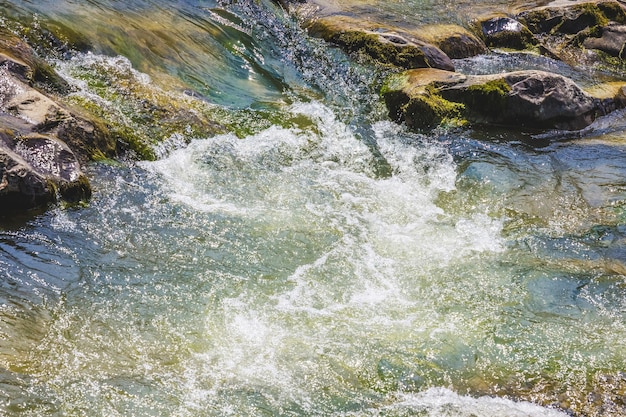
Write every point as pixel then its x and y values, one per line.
pixel 39 112
pixel 48 133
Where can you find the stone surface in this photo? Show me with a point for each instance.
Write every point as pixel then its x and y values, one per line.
pixel 505 32
pixel 534 100
pixel 454 40
pixel 20 186
pixel 34 169
pixel 590 33
pixel 612 40
pixel 383 44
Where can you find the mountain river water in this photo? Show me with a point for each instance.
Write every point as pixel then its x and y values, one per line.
pixel 338 265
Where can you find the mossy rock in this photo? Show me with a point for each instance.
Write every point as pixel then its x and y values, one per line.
pixel 491 97
pixel 456 41
pixel 413 97
pixel 532 100
pixel 383 44
pixel 580 17
pixel 572 19
pixel 35 71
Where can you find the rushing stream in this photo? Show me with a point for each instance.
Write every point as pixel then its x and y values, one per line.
pixel 337 266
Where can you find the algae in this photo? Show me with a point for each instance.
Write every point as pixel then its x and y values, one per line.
pixel 429 109
pixel 589 15
pixel 384 51
pixel 488 98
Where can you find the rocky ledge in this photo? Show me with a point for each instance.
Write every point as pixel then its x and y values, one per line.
pixel 590 33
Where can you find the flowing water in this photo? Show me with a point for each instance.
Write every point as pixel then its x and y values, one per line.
pixel 337 266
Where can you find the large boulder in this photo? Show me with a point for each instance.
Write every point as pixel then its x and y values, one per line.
pixel 423 98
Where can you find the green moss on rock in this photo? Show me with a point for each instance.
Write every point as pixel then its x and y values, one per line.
pixel 431 109
pixel 585 16
pixel 383 51
pixel 613 11
pixel 489 97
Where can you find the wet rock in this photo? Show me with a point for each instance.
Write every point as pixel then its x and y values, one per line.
pixel 455 41
pixel 41 114
pixel 612 40
pixel 20 187
pixel 423 98
pixel 35 169
pixel 383 44
pixel 412 97
pixel 20 59
pixel 505 32
pixel 588 34
pixel 36 166
pixel 399 44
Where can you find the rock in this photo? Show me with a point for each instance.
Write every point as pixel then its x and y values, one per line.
pixel 423 98
pixel 40 114
pixel 572 19
pixel 589 34
pixel 412 97
pixel 383 44
pixel 20 59
pixel 34 169
pixel 36 166
pixel 455 41
pixel 612 41
pixel 504 32
pixel 20 187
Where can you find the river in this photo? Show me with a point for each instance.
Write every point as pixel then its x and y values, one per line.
pixel 327 262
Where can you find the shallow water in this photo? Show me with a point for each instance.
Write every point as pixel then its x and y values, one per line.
pixel 339 266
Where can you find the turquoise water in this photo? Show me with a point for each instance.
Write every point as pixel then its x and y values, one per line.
pixel 341 266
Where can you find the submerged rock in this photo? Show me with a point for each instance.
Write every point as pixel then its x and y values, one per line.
pixel 423 98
